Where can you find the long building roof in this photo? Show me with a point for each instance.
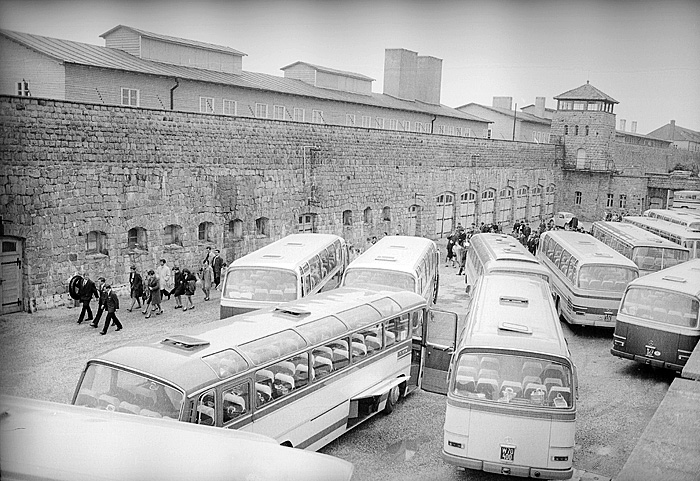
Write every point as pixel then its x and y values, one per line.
pixel 67 51
pixel 520 115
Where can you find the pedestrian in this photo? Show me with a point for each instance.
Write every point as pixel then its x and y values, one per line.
pixel 207 279
pixel 179 288
pixel 111 304
pixel 450 250
pixel 135 288
pixel 190 286
pixel 208 254
pixel 87 291
pixel 153 285
pixel 102 291
pixel 457 254
pixel 216 264
pixel 165 277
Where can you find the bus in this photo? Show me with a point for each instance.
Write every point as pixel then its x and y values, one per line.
pixel 44 440
pixel 511 385
pixel 402 262
pixel 678 234
pixel 491 253
pixel 686 199
pixel 303 372
pixel 650 252
pixel 291 268
pixel 688 219
pixel 658 319
pixel 588 277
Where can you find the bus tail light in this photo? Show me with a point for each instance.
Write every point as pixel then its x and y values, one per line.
pixel 683 355
pixel 619 341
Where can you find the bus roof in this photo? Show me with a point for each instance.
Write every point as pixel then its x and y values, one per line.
pixel 183 366
pixel 501 247
pixel 683 278
pixel 690 219
pixel 516 313
pixel 286 253
pixel 396 252
pixel 588 249
pixel 637 236
pixel 676 230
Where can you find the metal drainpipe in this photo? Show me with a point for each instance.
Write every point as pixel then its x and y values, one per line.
pixel 432 124
pixel 172 90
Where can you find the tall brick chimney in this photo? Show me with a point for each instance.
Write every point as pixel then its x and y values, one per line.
pixel 672 131
pixel 539 106
pixel 400 73
pixel 623 124
pixel 634 127
pixel 429 80
pixel 503 103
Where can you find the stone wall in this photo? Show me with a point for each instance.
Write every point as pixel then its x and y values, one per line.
pixel 72 168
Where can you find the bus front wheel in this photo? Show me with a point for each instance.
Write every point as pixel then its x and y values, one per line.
pixel 392 399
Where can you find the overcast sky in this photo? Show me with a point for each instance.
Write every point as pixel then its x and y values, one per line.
pixel 643 53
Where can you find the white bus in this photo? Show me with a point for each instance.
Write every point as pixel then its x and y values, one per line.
pixel 511 387
pixel 302 373
pixel 650 252
pixel 291 268
pixel 588 277
pixel 402 262
pixel 689 219
pixel 43 440
pixel 686 199
pixel 679 234
pixel 659 317
pixel 500 254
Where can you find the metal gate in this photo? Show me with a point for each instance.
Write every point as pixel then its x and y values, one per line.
pixel 11 275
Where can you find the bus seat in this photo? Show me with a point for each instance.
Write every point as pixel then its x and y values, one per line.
pixel 689 320
pixel 553 370
pixel 607 285
pixel 584 283
pixel 469 360
pixel 464 384
pixel 594 284
pixel 276 295
pixel 565 392
pixel 234 406
pixel 301 375
pixel 340 358
pixel 87 397
pixel 373 344
pixel 359 349
pixel 324 351
pixel 290 294
pixel 515 386
pixel 110 403
pixel 531 388
pixel 260 294
pixel 620 286
pixel 467 371
pixel 660 313
pixel 322 366
pixel 644 312
pixel 206 415
pixel 150 414
pixel 487 386
pixel 263 376
pixel 357 337
pixel 490 363
pixel 531 368
pixel 550 382
pixel 647 263
pixel 389 337
pixel 339 344
pixel 126 407
pixel 531 379
pixel 284 367
pixel 264 393
pixel 488 373
pixel 284 384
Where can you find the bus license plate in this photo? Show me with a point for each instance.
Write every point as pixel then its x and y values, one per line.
pixel 507 453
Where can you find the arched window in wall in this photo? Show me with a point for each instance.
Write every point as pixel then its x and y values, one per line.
pixel 576 130
pixel 444 206
pixel 487 206
pixel 566 130
pixel 505 205
pixel 413 220
pixel 367 216
pixel 172 235
pixel 347 218
pixel 205 232
pixel 235 229
pixel 467 208
pixel 521 198
pixel 262 227
pixel 536 203
pixel 549 200
pixel 96 242
pixel 581 159
pixel 307 222
pixel 137 238
pixel 386 214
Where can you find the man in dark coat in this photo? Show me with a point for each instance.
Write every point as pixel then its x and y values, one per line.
pixel 111 304
pixel 100 301
pixel 216 264
pixel 87 291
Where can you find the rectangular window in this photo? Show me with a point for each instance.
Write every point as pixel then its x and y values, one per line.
pixel 577 198
pixel 623 201
pixel 611 200
pixel 407 125
pixel 593 106
pixel 441 129
pixel 565 105
pixel 230 107
pixel 366 121
pixel 317 116
pixel 379 122
pixel 458 131
pixel 206 105
pixel 261 111
pixel 298 115
pixel 278 113
pixel 23 89
pixel 350 119
pixel 451 130
pixel 488 134
pixel 579 105
pixel 393 123
pixel 130 97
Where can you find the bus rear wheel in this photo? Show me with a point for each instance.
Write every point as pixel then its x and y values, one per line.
pixel 392 399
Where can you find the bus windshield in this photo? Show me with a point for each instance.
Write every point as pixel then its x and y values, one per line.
pixel 513 379
pixel 112 389
pixel 362 277
pixel 605 278
pixel 261 284
pixel 657 258
pixel 661 306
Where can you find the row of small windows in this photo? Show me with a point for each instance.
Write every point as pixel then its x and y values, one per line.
pixel 575 130
pixel 610 201
pixel 367 216
pixel 590 105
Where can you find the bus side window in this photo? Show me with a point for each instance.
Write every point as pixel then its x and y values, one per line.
pixel 206 409
pixel 235 402
pixel 397 329
pixel 283 381
pixel 373 339
pixel 417 323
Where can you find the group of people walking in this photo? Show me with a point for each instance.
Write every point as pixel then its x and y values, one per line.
pixel 148 294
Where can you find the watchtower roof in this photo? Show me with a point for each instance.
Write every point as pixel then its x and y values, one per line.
pixel 586 92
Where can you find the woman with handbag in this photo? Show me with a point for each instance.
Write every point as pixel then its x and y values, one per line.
pixel 190 286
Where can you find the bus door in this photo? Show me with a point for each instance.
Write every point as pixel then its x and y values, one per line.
pixel 439 341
